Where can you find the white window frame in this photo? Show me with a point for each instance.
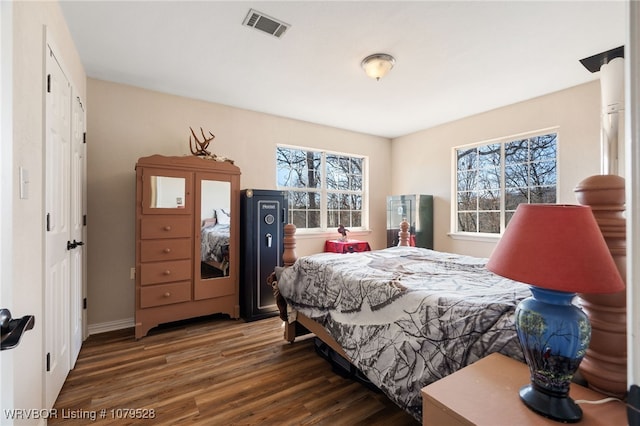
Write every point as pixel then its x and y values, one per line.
pixel 485 236
pixel 323 191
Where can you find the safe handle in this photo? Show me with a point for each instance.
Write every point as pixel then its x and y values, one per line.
pixel 269 239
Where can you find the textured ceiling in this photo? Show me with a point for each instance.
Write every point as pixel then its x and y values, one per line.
pixel 454 58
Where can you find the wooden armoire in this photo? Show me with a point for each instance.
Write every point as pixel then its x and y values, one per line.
pixel 187 239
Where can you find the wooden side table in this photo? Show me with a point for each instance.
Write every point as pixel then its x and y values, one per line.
pixel 486 393
pixel 349 246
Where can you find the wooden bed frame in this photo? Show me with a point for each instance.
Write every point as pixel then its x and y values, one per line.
pixel 223 266
pixel 605 195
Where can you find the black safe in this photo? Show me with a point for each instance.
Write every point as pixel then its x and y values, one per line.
pixel 263 214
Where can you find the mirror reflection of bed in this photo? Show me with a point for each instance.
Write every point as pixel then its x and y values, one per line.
pixel 214 231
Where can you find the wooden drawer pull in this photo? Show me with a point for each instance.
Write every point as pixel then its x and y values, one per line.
pixel 167 294
pixel 167 272
pixel 167 250
pixel 167 228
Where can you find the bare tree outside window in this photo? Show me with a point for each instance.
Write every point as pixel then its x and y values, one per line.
pixel 325 189
pixel 492 179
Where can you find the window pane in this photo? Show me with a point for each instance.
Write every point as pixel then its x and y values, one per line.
pixel 299 218
pixel 543 173
pixel 467 200
pixel 333 218
pixel 356 166
pixel 507 216
pixel 543 147
pixel 489 222
pixel 516 151
pixel 516 175
pixel 345 202
pixel 467 222
pixel 489 156
pixel 356 219
pixel 333 201
pixel 467 159
pixel 489 200
pixel 314 219
pixel 337 176
pixel 515 196
pixel 355 183
pixel 345 218
pixel 297 199
pixel 356 201
pixel 467 180
pixel 542 194
pixel 489 178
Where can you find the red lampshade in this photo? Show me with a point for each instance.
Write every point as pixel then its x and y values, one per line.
pixel 558 247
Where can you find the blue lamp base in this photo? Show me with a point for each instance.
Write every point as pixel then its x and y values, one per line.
pixel 554 335
pixel 561 409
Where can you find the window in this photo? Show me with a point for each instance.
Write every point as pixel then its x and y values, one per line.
pixel 492 179
pixel 325 189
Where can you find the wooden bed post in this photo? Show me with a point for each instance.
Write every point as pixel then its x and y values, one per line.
pixel 403 235
pixel 605 363
pixel 289 257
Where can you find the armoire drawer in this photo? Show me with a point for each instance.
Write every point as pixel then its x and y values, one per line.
pixel 165 294
pixel 163 272
pixel 165 227
pixel 165 249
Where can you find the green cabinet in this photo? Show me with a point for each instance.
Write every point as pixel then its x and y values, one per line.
pixel 416 209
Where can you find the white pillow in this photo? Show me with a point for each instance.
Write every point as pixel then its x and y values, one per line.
pixel 223 216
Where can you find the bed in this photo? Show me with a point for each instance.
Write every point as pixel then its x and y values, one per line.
pixel 403 316
pixel 214 233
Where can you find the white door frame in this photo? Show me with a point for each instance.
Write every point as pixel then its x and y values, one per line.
pixel 6 199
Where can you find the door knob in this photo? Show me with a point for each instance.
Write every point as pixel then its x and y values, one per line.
pixel 13 329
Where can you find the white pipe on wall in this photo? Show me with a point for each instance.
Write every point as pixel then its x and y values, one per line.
pixel 612 117
pixel 632 145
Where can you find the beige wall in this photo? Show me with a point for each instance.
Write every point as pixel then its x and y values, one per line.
pixel 422 161
pixel 29 22
pixel 125 123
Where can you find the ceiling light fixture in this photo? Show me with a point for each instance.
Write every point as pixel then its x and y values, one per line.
pixel 378 65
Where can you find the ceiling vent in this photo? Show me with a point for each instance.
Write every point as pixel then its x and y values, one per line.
pixel 262 22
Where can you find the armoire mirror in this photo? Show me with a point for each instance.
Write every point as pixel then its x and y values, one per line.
pixel 215 222
pixel 167 192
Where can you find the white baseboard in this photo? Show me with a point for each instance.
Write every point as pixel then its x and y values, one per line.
pixel 103 327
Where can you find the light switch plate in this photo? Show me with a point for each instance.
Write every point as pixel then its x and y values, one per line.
pixel 24 183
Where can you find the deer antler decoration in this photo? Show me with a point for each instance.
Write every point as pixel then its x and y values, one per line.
pixel 200 148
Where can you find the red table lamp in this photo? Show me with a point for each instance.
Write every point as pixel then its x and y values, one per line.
pixel 558 250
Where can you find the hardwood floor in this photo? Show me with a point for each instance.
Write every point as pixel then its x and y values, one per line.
pixel 214 371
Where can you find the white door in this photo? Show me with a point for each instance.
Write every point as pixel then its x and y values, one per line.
pixel 77 227
pixel 58 229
